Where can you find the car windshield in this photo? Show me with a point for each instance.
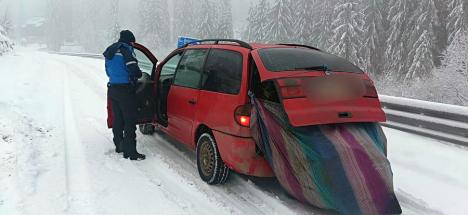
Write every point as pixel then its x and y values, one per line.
pixel 295 59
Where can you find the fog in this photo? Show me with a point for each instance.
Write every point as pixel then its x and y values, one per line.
pixel 23 10
pixel 410 48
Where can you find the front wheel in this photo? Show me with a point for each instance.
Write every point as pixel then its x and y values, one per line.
pixel 211 167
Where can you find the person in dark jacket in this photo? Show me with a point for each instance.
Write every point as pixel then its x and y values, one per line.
pixel 123 72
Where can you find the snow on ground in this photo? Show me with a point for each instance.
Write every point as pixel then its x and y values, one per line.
pixel 428 172
pixel 57 156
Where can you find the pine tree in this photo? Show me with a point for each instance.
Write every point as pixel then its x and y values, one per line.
pixel 155 34
pixel 258 22
pixel 420 60
pixel 225 27
pixel 5 43
pixel 114 30
pixel 185 18
pixel 250 33
pixel 5 22
pixel 92 34
pixel 400 23
pixel 456 56
pixel 55 27
pixel 280 24
pixel 347 31
pixel 322 31
pixel 304 21
pixel 207 24
pixel 374 37
pixel 457 18
pixel 448 83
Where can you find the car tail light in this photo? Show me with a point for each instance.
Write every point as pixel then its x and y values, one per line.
pixel 371 92
pixel 242 115
pixel 291 88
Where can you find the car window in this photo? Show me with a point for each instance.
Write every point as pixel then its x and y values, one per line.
pixel 294 59
pixel 223 72
pixel 188 73
pixel 170 66
pixel 144 62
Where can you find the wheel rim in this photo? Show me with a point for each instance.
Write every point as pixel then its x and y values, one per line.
pixel 207 158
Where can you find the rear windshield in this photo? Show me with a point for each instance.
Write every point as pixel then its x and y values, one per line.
pixel 294 59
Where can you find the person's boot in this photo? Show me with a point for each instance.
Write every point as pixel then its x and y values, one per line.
pixel 135 156
pixel 131 152
pixel 119 147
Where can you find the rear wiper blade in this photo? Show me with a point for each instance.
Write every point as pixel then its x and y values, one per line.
pixel 319 68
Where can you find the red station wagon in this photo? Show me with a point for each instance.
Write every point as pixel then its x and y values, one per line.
pixel 199 95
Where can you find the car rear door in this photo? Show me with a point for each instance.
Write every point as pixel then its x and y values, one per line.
pixel 182 100
pixel 313 96
pixel 146 89
pixel 224 89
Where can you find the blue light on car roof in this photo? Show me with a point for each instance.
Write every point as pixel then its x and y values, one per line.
pixel 182 41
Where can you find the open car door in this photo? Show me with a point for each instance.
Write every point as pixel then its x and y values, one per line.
pixel 317 88
pixel 146 89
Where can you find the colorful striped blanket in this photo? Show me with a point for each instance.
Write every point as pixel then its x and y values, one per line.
pixel 341 167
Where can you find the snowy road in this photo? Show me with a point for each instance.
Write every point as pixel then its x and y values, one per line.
pixel 57 156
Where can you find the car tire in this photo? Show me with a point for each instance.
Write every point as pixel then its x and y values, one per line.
pixel 146 129
pixel 211 166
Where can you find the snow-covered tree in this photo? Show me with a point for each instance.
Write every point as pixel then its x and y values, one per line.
pixel 5 43
pixel 5 22
pixel 399 16
pixel 304 20
pixel 258 22
pixel 348 31
pixel 457 18
pixel 420 60
pixel 55 36
pixel 448 84
pixel 374 42
pixel 456 57
pixel 225 27
pixel 322 29
pixel 185 18
pixel 280 23
pixel 154 23
pixel 114 30
pixel 92 35
pixel 208 20
pixel 250 32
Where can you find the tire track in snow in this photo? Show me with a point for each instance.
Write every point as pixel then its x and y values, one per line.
pixel 77 178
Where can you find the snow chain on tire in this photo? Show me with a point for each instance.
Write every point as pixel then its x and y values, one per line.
pixel 221 171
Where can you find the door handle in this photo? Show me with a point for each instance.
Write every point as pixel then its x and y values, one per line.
pixel 192 101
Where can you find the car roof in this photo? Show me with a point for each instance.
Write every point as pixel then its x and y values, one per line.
pixel 251 46
pixel 264 45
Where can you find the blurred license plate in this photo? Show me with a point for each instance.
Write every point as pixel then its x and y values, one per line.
pixel 334 88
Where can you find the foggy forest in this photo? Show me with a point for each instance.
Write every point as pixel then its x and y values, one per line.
pixel 415 49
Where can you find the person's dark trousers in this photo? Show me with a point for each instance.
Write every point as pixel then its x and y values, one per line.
pixel 124 110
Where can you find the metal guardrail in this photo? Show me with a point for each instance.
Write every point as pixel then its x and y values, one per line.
pixel 438 121
pixel 88 55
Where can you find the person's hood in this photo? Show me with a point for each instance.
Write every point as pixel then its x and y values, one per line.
pixel 111 50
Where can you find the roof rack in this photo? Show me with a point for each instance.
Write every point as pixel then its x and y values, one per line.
pixel 216 41
pixel 299 45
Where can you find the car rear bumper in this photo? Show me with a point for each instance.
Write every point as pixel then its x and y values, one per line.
pixel 240 155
